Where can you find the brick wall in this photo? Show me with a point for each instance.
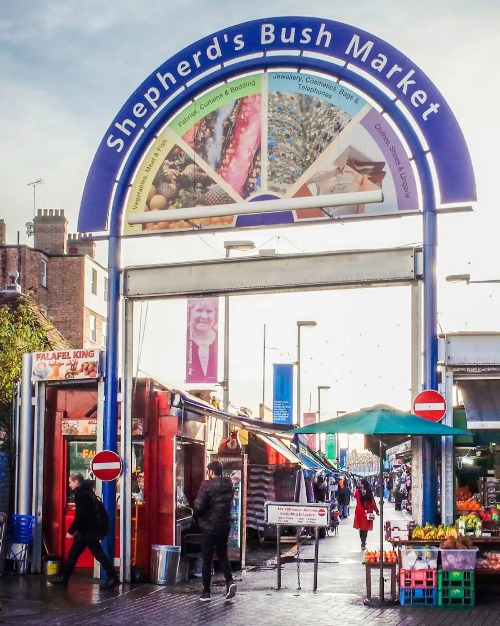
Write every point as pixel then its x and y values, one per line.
pixel 76 244
pixel 3 233
pixel 66 280
pixel 50 230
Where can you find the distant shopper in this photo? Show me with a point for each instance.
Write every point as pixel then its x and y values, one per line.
pixel 344 499
pixel 85 531
pixel 365 509
pixel 212 509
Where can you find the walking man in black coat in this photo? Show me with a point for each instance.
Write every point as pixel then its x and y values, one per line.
pixel 212 509
pixel 84 531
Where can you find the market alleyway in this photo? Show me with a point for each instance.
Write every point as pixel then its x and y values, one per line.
pixel 29 599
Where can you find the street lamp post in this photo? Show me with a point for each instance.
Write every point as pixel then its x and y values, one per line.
pixel 465 278
pixel 320 389
pixel 300 324
pixel 229 245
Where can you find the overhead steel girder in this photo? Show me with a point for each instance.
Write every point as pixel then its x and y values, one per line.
pixel 276 273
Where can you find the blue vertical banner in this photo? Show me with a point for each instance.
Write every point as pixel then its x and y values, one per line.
pixel 283 393
pixel 343 458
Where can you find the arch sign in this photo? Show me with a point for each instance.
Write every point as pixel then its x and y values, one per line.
pixel 285 107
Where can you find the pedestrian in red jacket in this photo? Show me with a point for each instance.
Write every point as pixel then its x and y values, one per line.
pixel 365 509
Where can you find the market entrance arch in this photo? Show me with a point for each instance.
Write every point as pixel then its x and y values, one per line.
pixel 248 95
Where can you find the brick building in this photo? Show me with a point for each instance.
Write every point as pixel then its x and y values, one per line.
pixel 62 276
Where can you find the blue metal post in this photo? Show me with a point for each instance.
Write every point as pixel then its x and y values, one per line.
pixel 429 447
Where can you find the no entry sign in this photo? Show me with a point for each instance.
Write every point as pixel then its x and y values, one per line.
pixel 106 465
pixel 430 404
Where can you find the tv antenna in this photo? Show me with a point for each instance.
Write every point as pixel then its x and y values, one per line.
pixel 36 182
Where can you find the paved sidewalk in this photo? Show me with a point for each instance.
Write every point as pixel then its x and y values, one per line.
pixel 339 598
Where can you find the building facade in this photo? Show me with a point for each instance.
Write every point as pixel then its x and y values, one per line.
pixel 62 276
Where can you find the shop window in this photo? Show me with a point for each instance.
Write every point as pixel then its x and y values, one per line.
pixel 80 455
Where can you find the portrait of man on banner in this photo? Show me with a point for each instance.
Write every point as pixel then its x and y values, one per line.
pixel 202 340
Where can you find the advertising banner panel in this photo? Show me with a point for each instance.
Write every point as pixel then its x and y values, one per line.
pixel 330 451
pixel 277 135
pixel 202 340
pixel 283 393
pixel 312 439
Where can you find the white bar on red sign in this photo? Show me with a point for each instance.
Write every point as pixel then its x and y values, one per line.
pixel 429 406
pixel 99 466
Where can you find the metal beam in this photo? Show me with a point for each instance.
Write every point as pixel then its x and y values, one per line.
pixel 300 272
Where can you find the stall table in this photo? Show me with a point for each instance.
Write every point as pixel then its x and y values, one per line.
pixel 393 567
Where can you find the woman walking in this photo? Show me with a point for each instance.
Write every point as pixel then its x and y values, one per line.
pixel 365 509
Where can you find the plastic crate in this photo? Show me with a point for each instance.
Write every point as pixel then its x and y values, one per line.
pixel 458 596
pixel 21 528
pixel 456 578
pixel 420 558
pixel 459 559
pixel 416 579
pixel 425 597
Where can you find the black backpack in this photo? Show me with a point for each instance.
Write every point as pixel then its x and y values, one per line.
pixel 102 519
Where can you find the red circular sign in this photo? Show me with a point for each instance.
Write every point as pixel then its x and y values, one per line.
pixel 430 405
pixel 106 465
pixel 321 512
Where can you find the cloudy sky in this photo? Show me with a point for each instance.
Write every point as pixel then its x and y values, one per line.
pixel 66 69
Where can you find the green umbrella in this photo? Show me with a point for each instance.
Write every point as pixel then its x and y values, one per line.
pixel 380 420
pixel 385 423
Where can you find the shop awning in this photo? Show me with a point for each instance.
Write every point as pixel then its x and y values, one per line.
pixel 279 446
pixel 187 402
pixel 482 402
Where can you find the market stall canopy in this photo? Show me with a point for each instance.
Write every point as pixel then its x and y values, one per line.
pixel 380 420
pixel 482 402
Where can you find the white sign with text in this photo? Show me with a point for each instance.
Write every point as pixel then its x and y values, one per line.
pixel 297 514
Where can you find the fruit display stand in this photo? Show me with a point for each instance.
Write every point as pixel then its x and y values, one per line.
pixel 390 562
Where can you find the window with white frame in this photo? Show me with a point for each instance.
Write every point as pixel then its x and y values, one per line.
pixel 94 281
pixel 43 273
pixel 93 329
pixel 104 333
pixel 105 289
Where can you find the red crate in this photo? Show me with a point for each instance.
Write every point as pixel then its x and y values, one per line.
pixel 417 579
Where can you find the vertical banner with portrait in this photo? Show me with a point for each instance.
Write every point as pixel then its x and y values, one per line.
pixel 282 393
pixel 202 340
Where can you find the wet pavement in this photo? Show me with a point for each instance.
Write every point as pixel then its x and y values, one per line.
pixel 30 599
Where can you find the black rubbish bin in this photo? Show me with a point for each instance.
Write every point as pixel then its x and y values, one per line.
pixel 398 500
pixel 164 564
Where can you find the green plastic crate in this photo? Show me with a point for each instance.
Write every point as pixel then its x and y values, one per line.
pixel 456 578
pixel 457 596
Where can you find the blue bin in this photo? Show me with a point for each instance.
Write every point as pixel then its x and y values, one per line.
pixel 21 529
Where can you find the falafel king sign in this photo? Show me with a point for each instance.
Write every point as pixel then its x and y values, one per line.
pixel 277 108
pixel 65 365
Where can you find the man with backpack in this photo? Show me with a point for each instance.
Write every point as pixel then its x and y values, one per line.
pixel 89 526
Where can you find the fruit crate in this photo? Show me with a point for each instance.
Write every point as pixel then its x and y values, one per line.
pixel 456 578
pixel 417 579
pixel 422 597
pixel 456 596
pixel 458 559
pixel 421 558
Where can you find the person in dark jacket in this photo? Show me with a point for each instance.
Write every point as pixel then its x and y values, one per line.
pixel 212 509
pixel 344 499
pixel 84 532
